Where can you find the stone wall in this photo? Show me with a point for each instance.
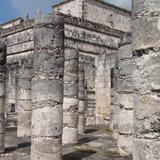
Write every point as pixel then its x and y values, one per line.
pixel 113 17
pixel 73 8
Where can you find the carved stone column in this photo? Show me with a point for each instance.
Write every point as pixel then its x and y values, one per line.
pixel 70 103
pixel 25 98
pixel 146 51
pixel 47 88
pixel 81 122
pixel 2 94
pixel 125 96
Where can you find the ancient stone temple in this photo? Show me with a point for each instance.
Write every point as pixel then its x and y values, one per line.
pixel 81 83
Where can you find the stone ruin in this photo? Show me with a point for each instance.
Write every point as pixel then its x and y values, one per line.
pixel 82 66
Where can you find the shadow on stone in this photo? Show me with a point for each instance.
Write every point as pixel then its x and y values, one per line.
pixel 25 144
pixel 78 155
pixel 90 131
pixel 86 140
pixel 10 149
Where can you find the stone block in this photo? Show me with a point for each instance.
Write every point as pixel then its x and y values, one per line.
pixel 70 119
pixel 125 52
pixel 126 100
pixel 47 122
pixel 125 121
pixel 147 73
pixel 147 149
pixel 68 139
pixel 46 149
pixel 146 112
pixel 125 145
pixel 47 90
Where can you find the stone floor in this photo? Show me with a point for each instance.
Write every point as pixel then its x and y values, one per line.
pixel 96 144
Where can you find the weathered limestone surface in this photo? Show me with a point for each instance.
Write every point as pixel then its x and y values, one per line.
pixel 90 94
pixel 47 88
pixel 146 49
pixel 2 94
pixel 70 101
pixel 12 87
pixel 125 96
pixel 103 89
pixel 82 105
pixel 25 98
pixel 115 113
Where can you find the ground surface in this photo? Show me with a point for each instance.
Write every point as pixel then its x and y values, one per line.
pixel 96 144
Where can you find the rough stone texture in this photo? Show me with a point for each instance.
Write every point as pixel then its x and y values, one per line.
pixel 2 94
pixel 25 98
pixel 82 106
pixel 47 88
pixel 146 79
pixel 12 87
pixel 90 93
pixel 125 96
pixel 103 88
pixel 70 101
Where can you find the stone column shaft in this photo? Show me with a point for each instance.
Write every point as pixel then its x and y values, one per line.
pixel 81 122
pixel 125 96
pixel 47 88
pixel 146 79
pixel 2 95
pixel 25 99
pixel 70 102
pixel 91 97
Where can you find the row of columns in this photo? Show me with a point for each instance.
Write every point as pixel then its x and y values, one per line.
pixel 47 87
pixel 51 92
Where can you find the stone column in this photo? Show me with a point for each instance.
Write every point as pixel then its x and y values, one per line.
pixel 81 122
pixel 2 94
pixel 91 97
pixel 70 103
pixel 25 98
pixel 125 96
pixel 146 79
pixel 47 88
pixel 102 83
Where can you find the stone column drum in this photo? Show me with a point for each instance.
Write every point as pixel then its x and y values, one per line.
pixel 25 98
pixel 70 104
pixel 146 51
pixel 125 96
pixel 81 121
pixel 47 88
pixel 2 94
